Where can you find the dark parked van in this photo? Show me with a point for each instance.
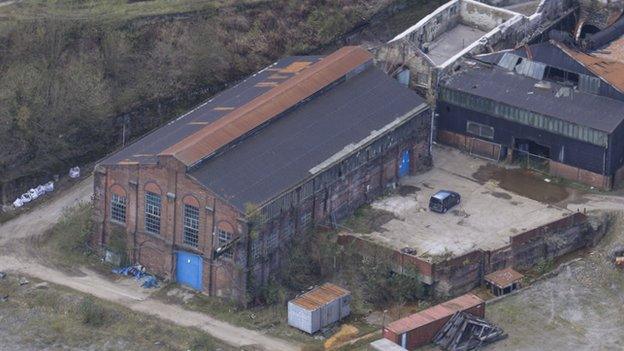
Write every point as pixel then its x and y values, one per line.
pixel 443 201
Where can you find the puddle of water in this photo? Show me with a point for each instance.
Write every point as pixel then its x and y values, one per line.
pixel 522 182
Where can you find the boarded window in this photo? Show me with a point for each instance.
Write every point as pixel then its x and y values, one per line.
pixel 224 238
pixel 152 213
pixel 118 208
pixel 191 225
pixel 480 130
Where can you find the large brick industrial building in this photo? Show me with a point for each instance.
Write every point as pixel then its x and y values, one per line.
pixel 210 199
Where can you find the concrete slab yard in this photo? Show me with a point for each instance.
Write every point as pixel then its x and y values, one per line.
pixel 486 217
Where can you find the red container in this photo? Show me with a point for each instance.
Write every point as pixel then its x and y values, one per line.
pixel 420 328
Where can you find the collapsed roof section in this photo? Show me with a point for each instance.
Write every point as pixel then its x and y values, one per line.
pixel 453 29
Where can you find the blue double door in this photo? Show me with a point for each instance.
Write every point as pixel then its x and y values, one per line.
pixel 189 269
pixel 404 166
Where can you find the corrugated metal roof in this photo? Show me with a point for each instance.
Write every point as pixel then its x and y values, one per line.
pixel 504 277
pixel 320 296
pixel 146 149
pixel 283 154
pixel 260 110
pixel 546 53
pixel 499 85
pixel 434 313
pixel 610 70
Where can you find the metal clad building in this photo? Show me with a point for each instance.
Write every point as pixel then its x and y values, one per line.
pixel 319 308
pixel 557 110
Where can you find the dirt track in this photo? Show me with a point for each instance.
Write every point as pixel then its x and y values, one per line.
pixel 127 293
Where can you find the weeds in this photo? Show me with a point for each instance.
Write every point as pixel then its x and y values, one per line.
pixel 67 242
pixel 91 313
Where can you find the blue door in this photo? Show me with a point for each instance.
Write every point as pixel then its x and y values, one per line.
pixel 404 166
pixel 189 270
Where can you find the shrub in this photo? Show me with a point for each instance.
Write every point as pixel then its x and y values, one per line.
pixel 91 312
pixel 381 286
pixel 70 235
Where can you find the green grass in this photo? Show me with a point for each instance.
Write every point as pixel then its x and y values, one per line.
pixel 58 318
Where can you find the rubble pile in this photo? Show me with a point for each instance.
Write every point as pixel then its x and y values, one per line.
pixel 464 332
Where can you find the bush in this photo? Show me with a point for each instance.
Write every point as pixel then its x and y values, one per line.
pixel 91 312
pixel 382 286
pixel 69 237
pixel 300 270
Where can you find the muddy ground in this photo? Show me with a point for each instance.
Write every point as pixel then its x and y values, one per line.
pixel 582 308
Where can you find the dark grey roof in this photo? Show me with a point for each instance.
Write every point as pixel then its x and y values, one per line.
pixel 597 112
pixel 145 149
pixel 281 155
pixel 545 53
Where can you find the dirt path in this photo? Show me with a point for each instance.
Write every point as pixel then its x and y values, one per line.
pixel 42 217
pixel 124 292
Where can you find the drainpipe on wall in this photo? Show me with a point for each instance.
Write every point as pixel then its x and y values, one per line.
pixel 135 184
pixel 431 129
pixel 172 197
pixel 212 243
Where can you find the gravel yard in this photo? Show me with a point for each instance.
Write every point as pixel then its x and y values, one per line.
pixel 581 308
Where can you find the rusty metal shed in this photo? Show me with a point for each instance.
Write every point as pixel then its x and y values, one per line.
pixel 318 308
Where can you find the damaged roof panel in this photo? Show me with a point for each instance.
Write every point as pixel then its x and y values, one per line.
pixel 281 155
pixel 260 110
pixel 218 106
pixel 609 70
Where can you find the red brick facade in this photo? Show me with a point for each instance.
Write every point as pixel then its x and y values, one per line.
pixel 259 255
pixel 157 252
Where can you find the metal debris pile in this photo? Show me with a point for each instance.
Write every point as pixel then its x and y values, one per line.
pixel 464 332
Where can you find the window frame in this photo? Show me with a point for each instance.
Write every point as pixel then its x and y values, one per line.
pixel 114 208
pixel 191 226
pixel 481 127
pixel 152 213
pixel 224 237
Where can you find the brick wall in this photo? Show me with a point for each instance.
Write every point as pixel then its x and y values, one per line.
pixel 223 277
pixel 157 251
pixel 580 175
pixel 461 274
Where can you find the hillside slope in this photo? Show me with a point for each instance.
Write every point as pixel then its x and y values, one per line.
pixel 76 73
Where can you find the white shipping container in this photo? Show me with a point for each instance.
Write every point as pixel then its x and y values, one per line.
pixel 319 308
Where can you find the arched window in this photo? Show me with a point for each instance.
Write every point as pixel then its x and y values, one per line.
pixel 153 207
pixel 118 204
pixel 191 221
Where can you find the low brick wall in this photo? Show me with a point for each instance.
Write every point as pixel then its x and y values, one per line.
pixel 399 260
pixel 557 169
pixel 461 274
pixel 469 144
pixel 580 175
